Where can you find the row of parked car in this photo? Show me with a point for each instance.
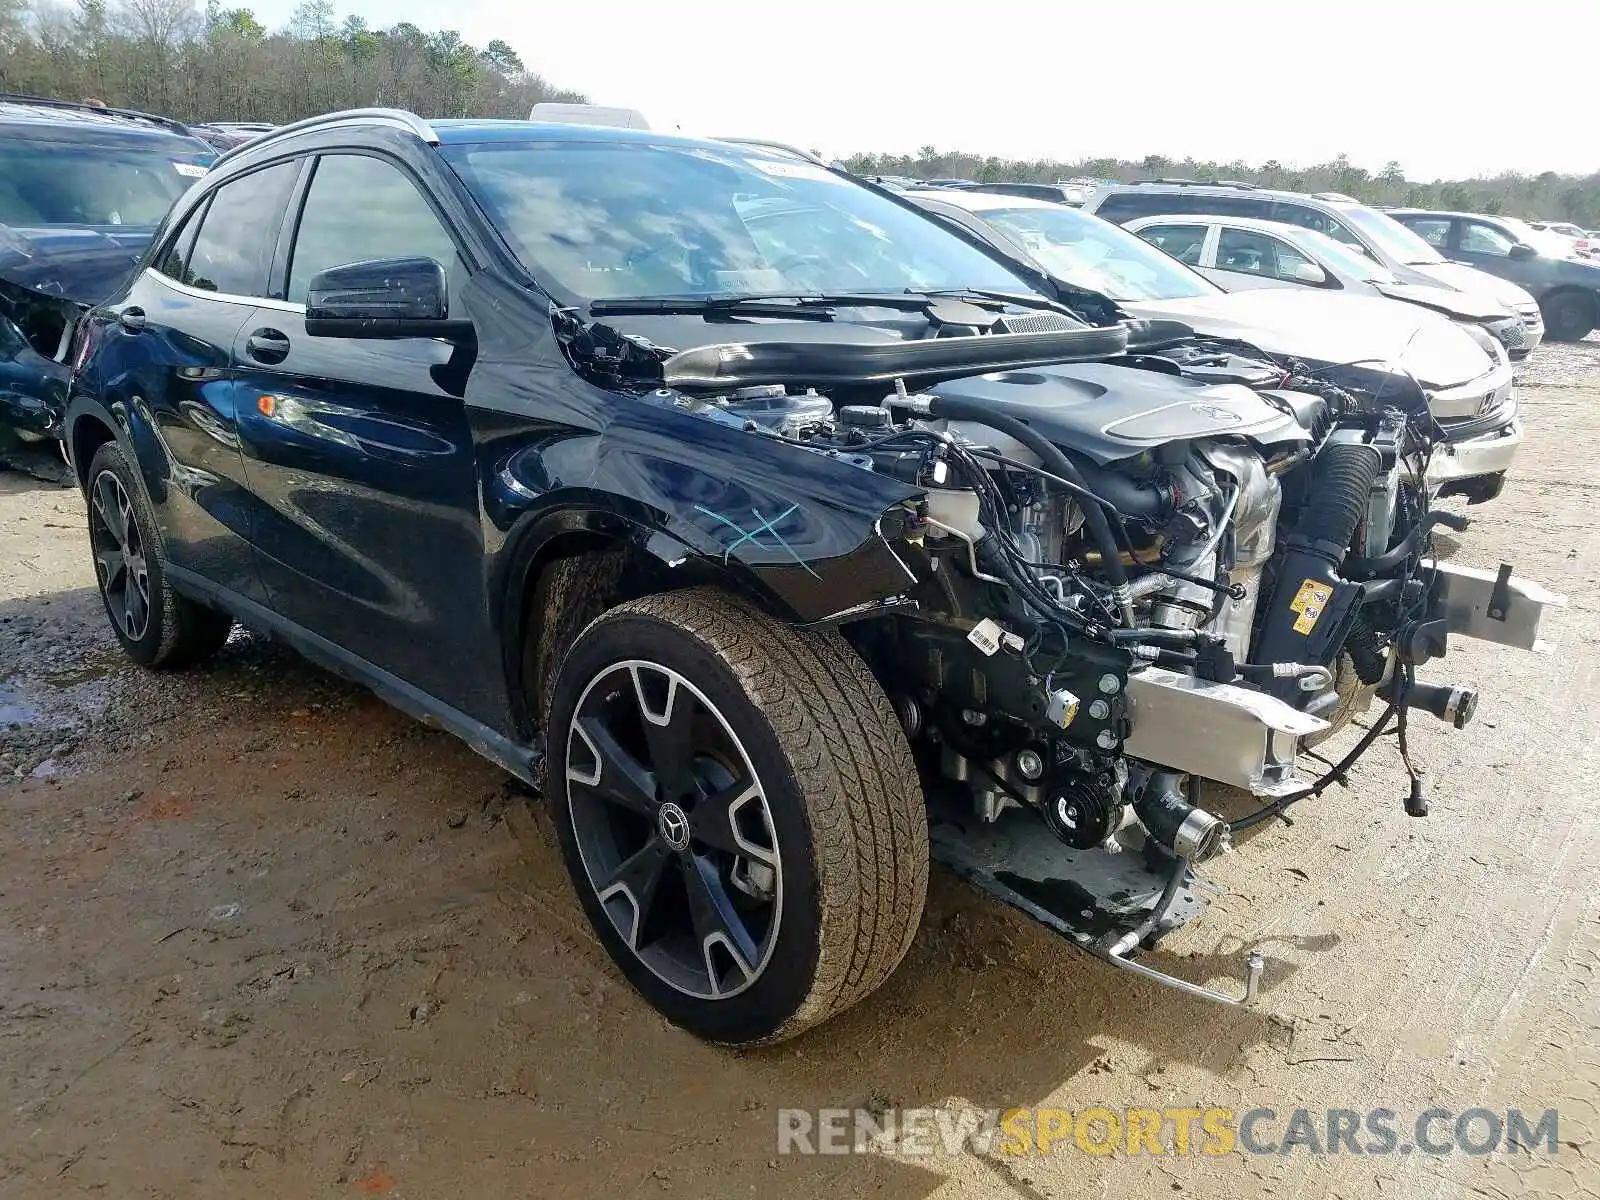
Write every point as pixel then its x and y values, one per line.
pixel 1321 278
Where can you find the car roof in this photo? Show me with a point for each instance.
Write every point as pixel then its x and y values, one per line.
pixel 1258 224
pixel 31 111
pixel 462 131
pixel 980 201
pixel 1329 200
pixel 1435 212
pixel 466 131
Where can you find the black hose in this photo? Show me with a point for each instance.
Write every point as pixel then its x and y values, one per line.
pixel 953 409
pixel 1339 491
pixel 1341 482
pixel 1126 495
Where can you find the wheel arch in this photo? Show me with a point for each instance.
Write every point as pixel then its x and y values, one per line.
pixel 643 558
pixel 90 427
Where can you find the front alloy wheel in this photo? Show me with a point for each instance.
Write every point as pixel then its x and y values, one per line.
pixel 673 828
pixel 739 812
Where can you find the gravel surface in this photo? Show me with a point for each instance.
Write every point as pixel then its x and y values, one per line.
pixel 262 935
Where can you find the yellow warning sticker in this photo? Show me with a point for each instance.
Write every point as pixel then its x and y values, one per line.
pixel 1308 603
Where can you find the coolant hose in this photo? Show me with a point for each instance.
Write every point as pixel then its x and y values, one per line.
pixel 1057 463
pixel 1293 629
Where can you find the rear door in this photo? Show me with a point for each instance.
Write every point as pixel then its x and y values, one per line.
pixel 174 332
pixel 360 454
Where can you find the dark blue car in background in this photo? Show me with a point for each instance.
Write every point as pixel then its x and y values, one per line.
pixel 82 188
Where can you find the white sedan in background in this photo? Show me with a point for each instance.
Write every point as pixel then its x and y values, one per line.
pixel 1239 253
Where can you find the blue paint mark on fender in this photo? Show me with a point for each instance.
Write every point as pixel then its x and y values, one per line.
pixel 764 526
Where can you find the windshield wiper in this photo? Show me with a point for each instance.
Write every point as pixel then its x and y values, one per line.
pixel 977 295
pixel 744 306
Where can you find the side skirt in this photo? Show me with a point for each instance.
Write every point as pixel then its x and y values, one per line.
pixel 521 761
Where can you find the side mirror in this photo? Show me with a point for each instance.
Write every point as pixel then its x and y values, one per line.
pixel 1307 272
pixel 381 298
pixel 1523 251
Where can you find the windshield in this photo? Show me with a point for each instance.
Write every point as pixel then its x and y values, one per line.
pixel 57 183
pixel 1343 259
pixel 1390 237
pixel 1090 253
pixel 613 220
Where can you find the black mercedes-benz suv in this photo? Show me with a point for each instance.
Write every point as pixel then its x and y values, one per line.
pixel 781 537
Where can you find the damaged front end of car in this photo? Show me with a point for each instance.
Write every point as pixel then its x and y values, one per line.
pixel 49 277
pixel 1121 586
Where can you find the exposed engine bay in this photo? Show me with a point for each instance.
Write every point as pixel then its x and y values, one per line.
pixel 1139 576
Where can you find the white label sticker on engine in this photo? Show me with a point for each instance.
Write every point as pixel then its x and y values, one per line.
pixel 985 635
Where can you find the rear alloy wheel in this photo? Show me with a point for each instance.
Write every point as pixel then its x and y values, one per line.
pixel 119 559
pixel 1568 316
pixel 739 812
pixel 154 624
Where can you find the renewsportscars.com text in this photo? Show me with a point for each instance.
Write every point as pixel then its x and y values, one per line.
pixel 917 1132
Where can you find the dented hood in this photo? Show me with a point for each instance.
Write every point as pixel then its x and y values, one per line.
pixel 1332 329
pixel 74 262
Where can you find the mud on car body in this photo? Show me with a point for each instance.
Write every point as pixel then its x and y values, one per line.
pixel 81 191
pixel 779 536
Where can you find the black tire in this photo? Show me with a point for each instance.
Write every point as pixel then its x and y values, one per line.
pixel 844 839
pixel 1569 316
pixel 155 625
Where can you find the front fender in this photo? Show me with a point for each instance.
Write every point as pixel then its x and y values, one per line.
pixel 797 527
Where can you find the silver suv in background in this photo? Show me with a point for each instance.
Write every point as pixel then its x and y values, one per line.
pixel 1364 229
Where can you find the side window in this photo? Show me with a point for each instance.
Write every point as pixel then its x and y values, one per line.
pixel 1245 251
pixel 1124 206
pixel 1183 242
pixel 233 251
pixel 1298 214
pixel 360 208
pixel 1433 230
pixel 1244 205
pixel 174 260
pixel 1478 238
pixel 1289 264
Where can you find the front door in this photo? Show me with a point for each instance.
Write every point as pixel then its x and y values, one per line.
pixel 1488 247
pixel 361 459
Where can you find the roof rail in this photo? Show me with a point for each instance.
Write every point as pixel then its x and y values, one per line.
pixel 781 147
pixel 397 118
pixel 131 114
pixel 1225 183
pixel 1336 197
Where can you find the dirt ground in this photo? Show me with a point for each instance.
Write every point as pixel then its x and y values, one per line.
pixel 262 935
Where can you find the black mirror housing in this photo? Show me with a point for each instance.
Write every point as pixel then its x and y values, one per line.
pixel 380 298
pixel 1523 251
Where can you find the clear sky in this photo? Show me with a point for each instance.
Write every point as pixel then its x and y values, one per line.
pixel 1447 89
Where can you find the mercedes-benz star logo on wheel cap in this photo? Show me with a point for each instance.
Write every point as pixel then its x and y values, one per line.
pixel 674 823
